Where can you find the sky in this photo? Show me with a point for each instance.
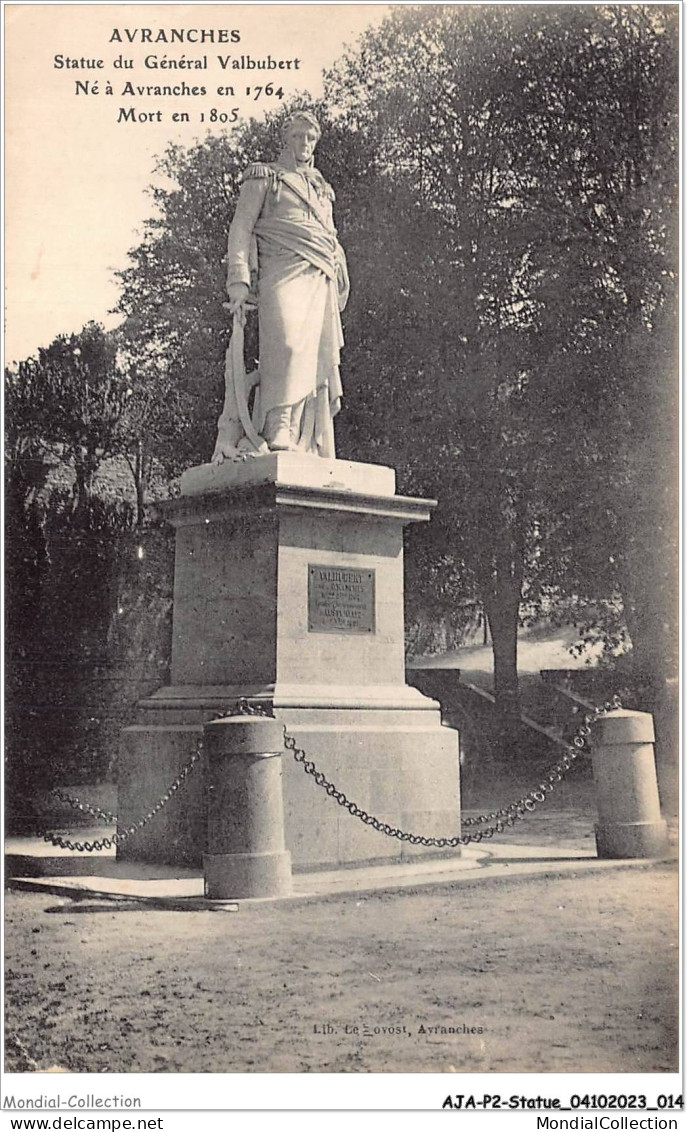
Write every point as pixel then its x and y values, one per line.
pixel 76 176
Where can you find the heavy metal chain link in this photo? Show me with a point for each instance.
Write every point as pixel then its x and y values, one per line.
pixel 555 773
pixel 85 807
pixel 103 815
pixel 503 818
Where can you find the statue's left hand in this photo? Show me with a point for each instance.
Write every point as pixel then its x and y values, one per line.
pixel 238 294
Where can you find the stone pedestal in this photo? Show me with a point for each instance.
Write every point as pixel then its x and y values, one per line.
pixel 289 592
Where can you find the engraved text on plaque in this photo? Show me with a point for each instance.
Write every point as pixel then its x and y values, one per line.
pixel 341 599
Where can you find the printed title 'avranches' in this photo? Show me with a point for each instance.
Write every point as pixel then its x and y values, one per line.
pixel 175 35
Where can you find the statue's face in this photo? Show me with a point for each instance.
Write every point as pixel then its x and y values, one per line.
pixel 302 139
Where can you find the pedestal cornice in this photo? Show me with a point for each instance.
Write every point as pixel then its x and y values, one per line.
pixel 188 510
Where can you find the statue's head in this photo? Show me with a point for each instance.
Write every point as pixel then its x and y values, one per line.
pixel 300 134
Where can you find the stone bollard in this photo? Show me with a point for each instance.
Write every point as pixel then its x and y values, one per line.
pixel 245 834
pixel 630 823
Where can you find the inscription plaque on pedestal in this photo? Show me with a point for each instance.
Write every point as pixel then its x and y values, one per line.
pixel 341 599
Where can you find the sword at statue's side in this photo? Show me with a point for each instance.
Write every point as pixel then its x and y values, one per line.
pixel 236 416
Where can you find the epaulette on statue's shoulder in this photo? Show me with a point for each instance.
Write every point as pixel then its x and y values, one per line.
pixel 259 170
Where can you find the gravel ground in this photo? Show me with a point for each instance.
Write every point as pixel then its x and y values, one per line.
pixel 577 973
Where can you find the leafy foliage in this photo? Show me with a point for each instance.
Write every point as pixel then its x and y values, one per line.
pixel 72 397
pixel 531 160
pixel 88 627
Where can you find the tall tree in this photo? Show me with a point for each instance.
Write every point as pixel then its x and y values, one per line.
pixel 71 396
pixel 151 430
pixel 27 450
pixel 547 221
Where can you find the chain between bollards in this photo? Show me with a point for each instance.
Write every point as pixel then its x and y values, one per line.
pixel 503 818
pixel 103 815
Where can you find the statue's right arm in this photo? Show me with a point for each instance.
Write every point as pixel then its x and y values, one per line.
pixel 248 209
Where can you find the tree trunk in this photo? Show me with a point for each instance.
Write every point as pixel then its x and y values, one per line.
pixel 502 600
pixel 140 503
pixel 503 609
pixel 85 467
pixel 650 605
pixel 648 579
pixel 140 472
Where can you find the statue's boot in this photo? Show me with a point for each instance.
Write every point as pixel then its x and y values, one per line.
pixel 277 430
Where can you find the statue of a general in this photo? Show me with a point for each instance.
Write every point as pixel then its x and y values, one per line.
pixel 284 255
